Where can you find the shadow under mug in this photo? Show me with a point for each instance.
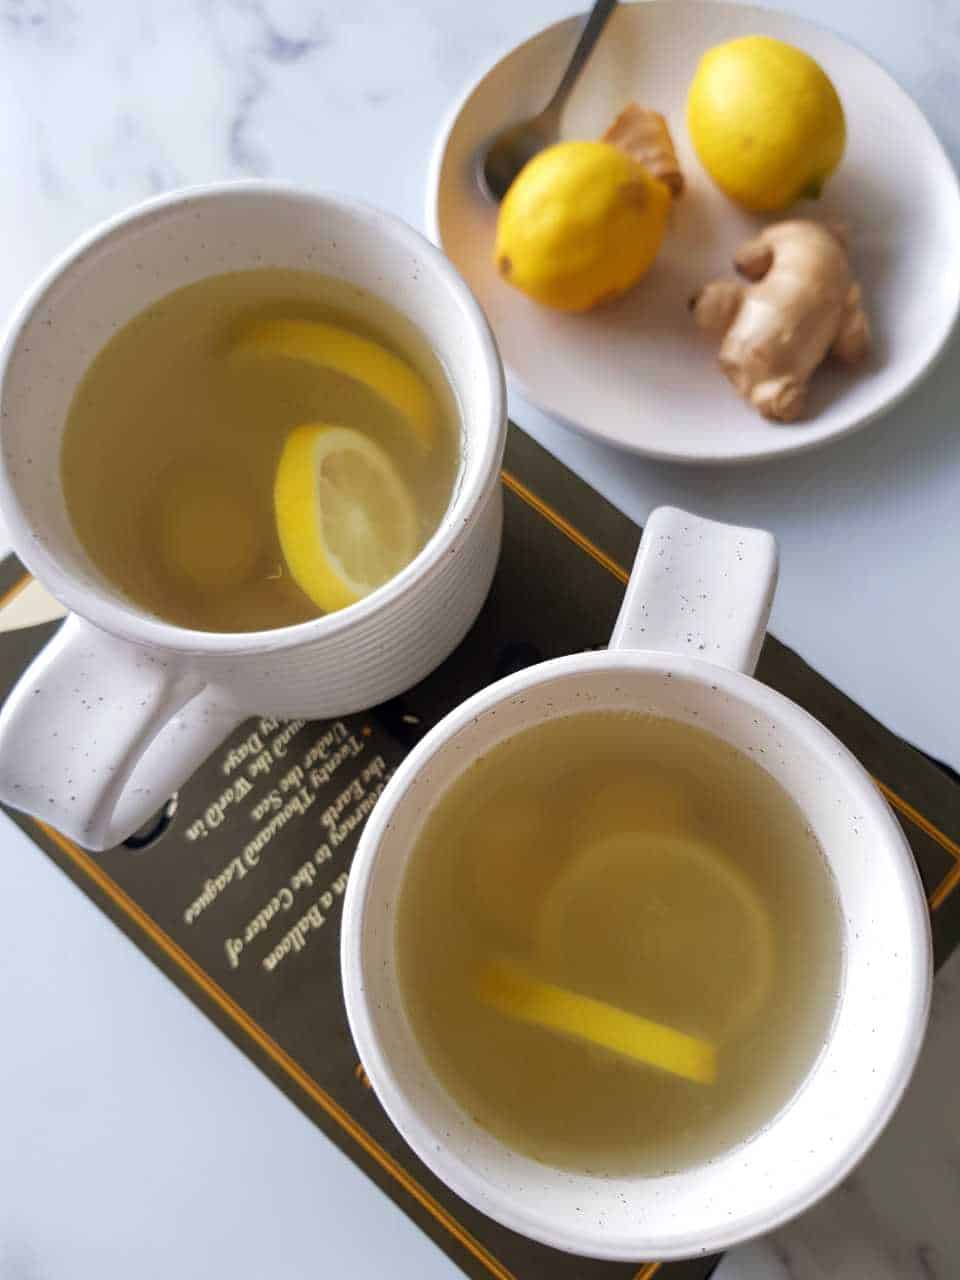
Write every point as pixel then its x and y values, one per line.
pixel 120 708
pixel 684 646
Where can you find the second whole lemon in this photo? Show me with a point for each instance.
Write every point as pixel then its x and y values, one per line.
pixel 581 223
pixel 766 122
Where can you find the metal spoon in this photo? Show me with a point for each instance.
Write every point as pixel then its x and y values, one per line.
pixel 502 159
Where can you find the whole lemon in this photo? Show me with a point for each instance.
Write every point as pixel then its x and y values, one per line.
pixel 766 122
pixel 581 223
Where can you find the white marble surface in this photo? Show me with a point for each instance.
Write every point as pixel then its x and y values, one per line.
pixel 103 103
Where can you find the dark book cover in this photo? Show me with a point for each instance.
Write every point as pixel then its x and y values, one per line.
pixel 235 890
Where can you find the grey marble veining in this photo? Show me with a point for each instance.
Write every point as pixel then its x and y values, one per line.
pixel 105 102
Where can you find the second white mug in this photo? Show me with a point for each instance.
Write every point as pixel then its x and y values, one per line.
pixel 684 647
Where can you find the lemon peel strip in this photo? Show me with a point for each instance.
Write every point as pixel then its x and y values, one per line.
pixel 502 986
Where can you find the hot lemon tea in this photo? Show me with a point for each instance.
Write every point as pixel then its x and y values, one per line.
pixel 619 944
pixel 259 448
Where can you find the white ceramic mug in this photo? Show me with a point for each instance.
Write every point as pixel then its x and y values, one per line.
pixel 684 646
pixel 121 707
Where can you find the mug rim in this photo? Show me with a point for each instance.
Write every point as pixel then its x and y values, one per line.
pixel 452 1168
pixel 478 476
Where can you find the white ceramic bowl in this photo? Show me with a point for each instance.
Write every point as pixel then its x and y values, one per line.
pixel 637 374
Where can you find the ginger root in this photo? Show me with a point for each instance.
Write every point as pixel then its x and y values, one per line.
pixel 802 304
pixel 644 136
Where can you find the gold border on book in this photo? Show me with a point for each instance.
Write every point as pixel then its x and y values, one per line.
pixel 317 1094
pixel 11 593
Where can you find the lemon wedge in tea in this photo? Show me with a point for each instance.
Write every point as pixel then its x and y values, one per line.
pixel 330 346
pixel 345 518
pixel 506 988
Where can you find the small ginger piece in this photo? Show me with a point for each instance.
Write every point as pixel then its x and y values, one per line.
pixel 801 304
pixel 644 135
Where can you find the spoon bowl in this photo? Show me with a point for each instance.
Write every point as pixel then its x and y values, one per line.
pixel 501 159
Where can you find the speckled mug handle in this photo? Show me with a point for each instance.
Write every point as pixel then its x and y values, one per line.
pixel 100 731
pixel 699 588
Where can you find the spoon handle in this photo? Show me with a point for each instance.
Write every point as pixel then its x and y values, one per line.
pixel 596 21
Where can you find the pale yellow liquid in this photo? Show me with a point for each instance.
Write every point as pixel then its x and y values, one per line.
pixel 164 411
pixel 562 852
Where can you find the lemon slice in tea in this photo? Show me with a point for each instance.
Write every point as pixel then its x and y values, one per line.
pixel 686 938
pixel 366 361
pixel 508 989
pixel 346 520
